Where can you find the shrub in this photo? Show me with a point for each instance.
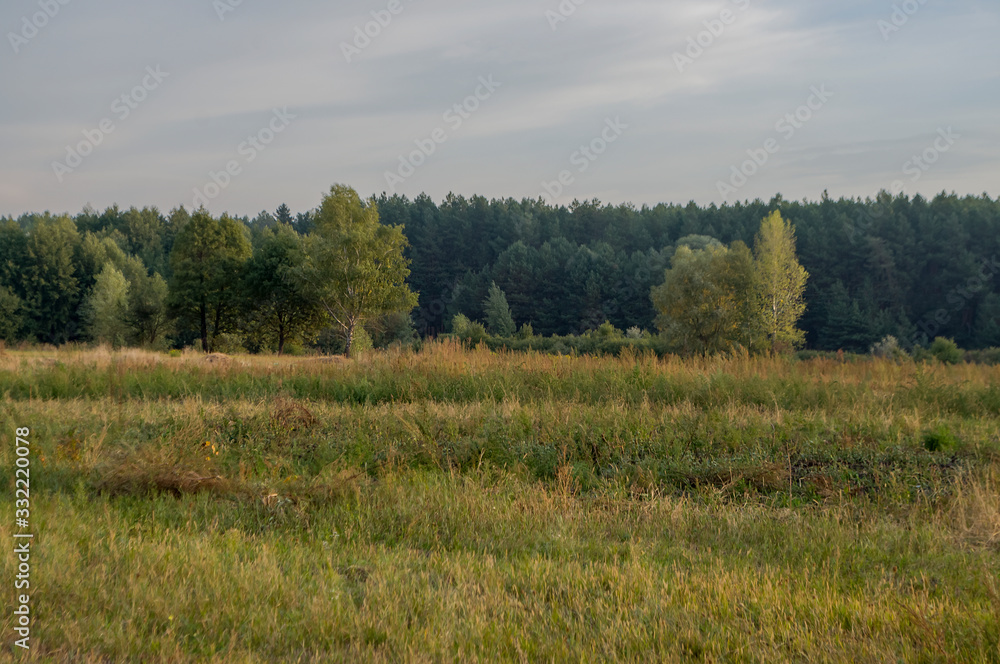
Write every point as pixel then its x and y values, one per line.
pixel 989 356
pixel 947 351
pixel 607 331
pixel 939 439
pixel 362 341
pixel 888 349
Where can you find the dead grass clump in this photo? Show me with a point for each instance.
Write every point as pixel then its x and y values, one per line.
pixel 765 477
pixel 152 471
pixel 975 513
pixel 328 359
pixel 292 415
pixel 331 486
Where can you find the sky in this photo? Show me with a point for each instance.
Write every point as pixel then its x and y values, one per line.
pixel 242 105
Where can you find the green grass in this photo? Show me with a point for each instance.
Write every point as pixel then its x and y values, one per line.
pixel 473 506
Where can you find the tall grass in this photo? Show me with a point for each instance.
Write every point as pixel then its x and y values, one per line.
pixel 455 505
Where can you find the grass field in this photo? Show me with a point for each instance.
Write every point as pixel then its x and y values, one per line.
pixel 455 505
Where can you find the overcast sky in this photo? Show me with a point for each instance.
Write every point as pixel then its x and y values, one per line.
pixel 323 105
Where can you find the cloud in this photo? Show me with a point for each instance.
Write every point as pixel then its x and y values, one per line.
pixel 354 119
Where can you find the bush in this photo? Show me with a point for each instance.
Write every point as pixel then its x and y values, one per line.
pixel 939 440
pixel 362 342
pixel 608 331
pixel 989 356
pixel 947 351
pixel 469 332
pixel 888 349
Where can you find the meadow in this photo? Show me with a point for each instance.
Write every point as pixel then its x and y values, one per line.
pixel 473 505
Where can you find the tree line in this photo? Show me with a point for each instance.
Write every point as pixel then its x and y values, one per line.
pixel 349 271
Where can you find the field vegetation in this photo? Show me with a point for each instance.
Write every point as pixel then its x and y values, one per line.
pixel 474 505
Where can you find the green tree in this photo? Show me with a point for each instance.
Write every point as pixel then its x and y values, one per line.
pixel 207 258
pixel 355 268
pixel 11 317
pixel 147 309
pixel 498 317
pixel 106 307
pixel 52 288
pixel 283 215
pixel 701 304
pixel 278 309
pixel 781 282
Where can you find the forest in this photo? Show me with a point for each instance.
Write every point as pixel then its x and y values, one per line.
pixel 910 267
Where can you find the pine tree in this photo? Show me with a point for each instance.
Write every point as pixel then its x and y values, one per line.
pixel 781 282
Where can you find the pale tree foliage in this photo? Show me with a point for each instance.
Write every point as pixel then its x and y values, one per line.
pixel 106 307
pixel 781 282
pixel 355 267
pixel 498 317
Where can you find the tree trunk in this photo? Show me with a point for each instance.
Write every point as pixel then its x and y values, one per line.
pixel 350 339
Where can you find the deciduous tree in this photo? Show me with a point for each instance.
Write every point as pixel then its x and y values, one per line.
pixel 356 267
pixel 781 282
pixel 207 259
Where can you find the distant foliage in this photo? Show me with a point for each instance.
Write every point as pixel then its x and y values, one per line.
pixel 912 268
pixel 947 351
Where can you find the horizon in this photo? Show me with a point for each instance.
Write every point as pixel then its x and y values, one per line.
pixel 569 206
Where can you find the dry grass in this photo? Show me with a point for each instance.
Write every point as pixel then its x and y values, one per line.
pixel 506 508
